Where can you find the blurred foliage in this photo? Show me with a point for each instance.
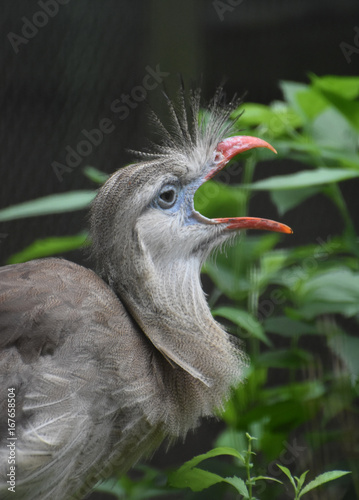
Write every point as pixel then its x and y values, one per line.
pixel 189 476
pixel 297 308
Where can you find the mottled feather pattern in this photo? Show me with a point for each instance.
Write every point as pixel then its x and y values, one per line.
pixel 69 412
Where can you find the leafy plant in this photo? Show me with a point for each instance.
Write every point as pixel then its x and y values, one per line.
pixel 298 482
pixel 297 308
pixel 189 476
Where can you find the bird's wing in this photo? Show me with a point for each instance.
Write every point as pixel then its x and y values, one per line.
pixel 59 355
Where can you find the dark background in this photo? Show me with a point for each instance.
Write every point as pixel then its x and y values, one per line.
pixel 67 75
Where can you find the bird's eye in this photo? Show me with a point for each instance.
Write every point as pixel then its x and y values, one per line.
pixel 167 197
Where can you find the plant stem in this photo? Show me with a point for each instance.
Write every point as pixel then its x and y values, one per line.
pixel 249 465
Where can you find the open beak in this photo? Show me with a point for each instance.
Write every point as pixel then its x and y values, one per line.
pixel 225 151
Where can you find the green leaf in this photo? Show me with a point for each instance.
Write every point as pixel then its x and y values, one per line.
pixel 331 130
pixel 266 478
pixel 300 481
pixel 215 199
pixel 305 179
pixel 308 151
pixel 189 476
pixel 239 484
pixel 215 452
pixel 195 479
pixel 349 109
pixel 288 474
pixel 199 479
pixel 311 102
pixel 53 204
pixel 287 327
pixel 322 479
pixel 290 91
pixel 340 92
pixel 244 320
pixel 285 200
pixel 95 175
pixel 345 86
pixel 299 392
pixel 282 358
pixel 232 438
pixel 271 264
pixel 49 246
pixel 334 291
pixel 276 120
pixel 252 114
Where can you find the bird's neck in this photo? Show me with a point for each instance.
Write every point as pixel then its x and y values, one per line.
pixel 199 358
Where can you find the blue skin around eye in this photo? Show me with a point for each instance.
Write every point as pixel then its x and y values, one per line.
pixel 184 202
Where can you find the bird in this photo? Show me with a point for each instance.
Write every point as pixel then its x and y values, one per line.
pixel 104 365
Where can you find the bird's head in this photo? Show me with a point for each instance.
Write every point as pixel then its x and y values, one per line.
pixel 144 215
pixel 150 242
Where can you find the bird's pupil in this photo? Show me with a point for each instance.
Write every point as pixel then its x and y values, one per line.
pixel 168 196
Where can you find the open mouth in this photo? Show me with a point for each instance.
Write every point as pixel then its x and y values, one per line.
pixel 225 151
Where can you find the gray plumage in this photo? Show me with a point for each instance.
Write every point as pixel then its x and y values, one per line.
pixel 105 366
